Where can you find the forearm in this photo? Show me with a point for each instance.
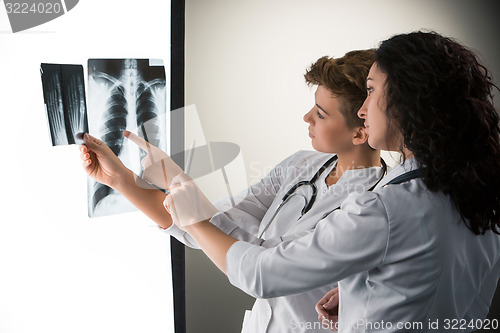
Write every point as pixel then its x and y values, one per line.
pixel 212 241
pixel 149 201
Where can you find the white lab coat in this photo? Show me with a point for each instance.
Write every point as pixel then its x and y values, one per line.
pixel 251 214
pixel 401 256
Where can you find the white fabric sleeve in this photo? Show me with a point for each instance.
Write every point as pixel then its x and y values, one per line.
pixel 181 236
pixel 238 233
pixel 275 241
pixel 350 240
pixel 227 228
pixel 243 220
pixel 253 203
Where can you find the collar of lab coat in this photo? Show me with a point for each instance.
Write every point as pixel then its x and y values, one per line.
pixel 351 179
pixel 408 165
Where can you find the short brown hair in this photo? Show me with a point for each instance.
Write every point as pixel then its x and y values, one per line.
pixel 345 77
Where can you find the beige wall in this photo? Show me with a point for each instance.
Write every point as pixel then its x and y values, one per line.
pixel 245 62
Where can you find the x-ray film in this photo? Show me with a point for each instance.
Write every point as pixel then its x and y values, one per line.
pixel 124 94
pixel 64 97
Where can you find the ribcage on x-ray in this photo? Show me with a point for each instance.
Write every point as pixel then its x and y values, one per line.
pixel 115 120
pixel 147 114
pixel 131 102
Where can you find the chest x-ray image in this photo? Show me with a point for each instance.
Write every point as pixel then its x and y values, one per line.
pixel 64 97
pixel 124 94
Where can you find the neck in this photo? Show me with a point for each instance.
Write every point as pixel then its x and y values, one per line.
pixel 360 157
pixel 407 153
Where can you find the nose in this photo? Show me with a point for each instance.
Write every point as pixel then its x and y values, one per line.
pixel 362 111
pixel 307 116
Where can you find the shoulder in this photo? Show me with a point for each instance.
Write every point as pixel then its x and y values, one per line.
pixel 306 157
pixel 300 162
pixel 410 192
pixel 366 203
pixel 400 205
pixel 420 218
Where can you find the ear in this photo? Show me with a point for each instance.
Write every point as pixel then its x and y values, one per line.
pixel 359 136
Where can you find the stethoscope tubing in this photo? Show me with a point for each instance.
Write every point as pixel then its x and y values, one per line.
pixel 290 193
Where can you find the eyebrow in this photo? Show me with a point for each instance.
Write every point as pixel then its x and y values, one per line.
pixel 319 107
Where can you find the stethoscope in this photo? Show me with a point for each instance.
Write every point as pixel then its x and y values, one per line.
pixel 291 192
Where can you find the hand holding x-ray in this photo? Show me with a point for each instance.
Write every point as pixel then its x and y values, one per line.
pixel 186 202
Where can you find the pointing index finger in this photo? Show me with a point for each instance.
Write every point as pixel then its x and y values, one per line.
pixel 137 140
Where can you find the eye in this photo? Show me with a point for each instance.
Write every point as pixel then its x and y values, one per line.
pixel 319 115
pixel 369 90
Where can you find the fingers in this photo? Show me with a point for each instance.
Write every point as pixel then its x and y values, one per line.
pixel 137 140
pixel 85 156
pixel 332 302
pixel 166 204
pixel 328 303
pixel 93 144
pixel 180 179
pixel 187 204
pixel 322 313
pixel 332 324
pixel 170 207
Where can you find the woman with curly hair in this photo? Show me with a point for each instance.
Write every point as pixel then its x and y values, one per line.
pixel 422 251
pixel 430 99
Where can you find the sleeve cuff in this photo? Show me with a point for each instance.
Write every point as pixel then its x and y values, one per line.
pixel 176 232
pixel 169 229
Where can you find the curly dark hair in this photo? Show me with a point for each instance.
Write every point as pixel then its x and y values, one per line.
pixel 440 96
pixel 345 77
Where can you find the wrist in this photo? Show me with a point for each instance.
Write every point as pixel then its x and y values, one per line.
pixel 193 228
pixel 124 181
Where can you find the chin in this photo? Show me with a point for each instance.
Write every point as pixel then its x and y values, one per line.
pixel 317 148
pixel 323 150
pixel 375 144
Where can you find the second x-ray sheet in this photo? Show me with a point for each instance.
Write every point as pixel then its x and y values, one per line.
pixel 64 97
pixel 124 94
